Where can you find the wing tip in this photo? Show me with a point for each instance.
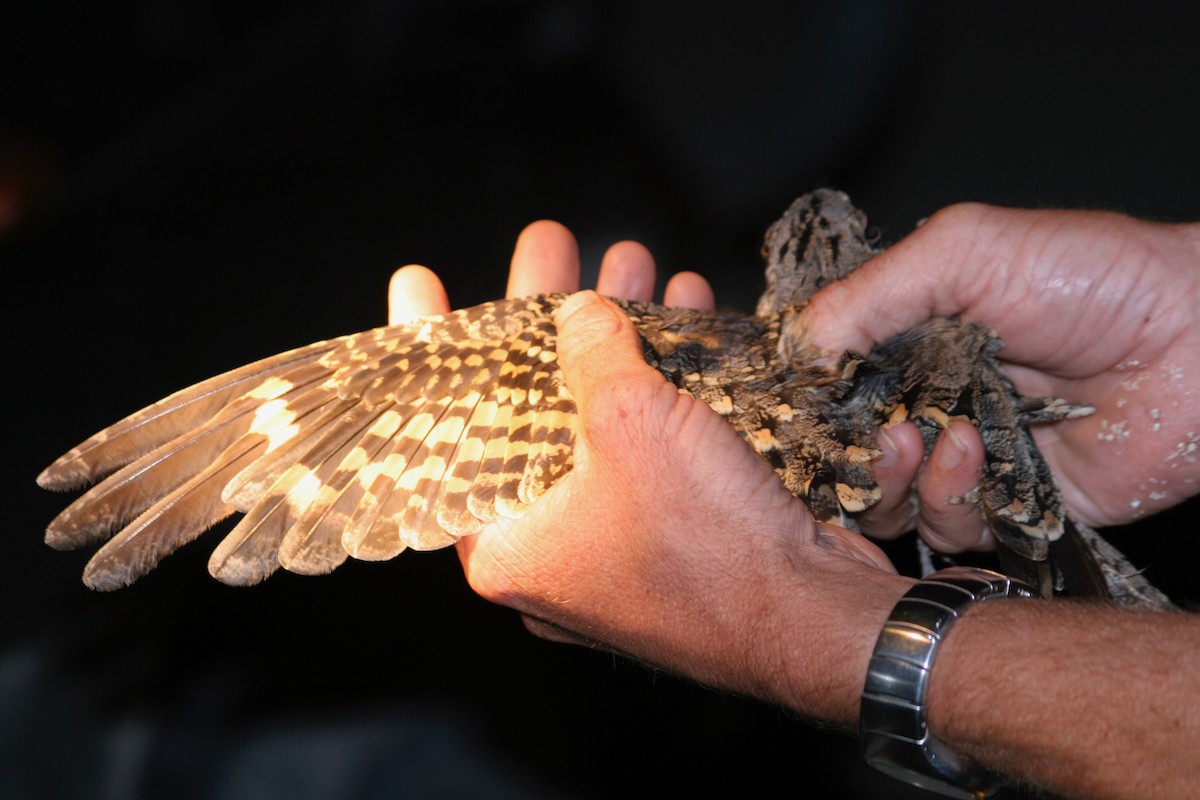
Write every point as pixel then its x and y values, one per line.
pixel 66 532
pixel 234 571
pixel 102 579
pixel 64 475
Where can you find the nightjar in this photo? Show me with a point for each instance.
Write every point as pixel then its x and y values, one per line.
pixel 414 435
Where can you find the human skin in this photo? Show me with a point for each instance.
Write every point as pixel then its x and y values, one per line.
pixel 742 590
pixel 1094 307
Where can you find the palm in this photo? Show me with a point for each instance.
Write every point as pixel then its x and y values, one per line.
pixel 1092 307
pixel 1124 332
pixel 1134 455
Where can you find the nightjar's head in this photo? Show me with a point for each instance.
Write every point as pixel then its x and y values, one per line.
pixel 822 237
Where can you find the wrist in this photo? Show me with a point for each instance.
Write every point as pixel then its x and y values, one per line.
pixel 830 628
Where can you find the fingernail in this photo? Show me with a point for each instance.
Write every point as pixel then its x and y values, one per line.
pixel 573 304
pixel 985 540
pixel 600 318
pixel 950 450
pixel 889 454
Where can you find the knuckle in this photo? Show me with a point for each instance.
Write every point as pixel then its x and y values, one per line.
pixel 957 216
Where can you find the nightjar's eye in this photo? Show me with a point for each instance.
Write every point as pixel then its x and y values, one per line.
pixel 873 234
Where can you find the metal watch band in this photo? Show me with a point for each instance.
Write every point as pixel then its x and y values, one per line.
pixel 892 720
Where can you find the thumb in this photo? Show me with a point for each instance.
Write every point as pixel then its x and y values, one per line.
pixel 598 347
pixel 911 281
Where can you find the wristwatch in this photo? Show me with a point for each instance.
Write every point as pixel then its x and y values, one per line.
pixel 892 721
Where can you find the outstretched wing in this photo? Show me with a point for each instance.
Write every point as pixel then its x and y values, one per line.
pixel 408 436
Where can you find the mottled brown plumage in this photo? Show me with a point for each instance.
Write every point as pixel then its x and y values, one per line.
pixel 412 436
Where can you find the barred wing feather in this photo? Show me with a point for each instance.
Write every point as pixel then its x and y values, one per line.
pixel 407 436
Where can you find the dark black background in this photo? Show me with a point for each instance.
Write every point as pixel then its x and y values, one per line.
pixel 185 187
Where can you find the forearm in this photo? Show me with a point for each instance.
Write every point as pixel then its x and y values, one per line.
pixel 1083 700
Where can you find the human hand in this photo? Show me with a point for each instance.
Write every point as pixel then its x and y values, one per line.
pixel 670 540
pixel 546 259
pixel 1093 307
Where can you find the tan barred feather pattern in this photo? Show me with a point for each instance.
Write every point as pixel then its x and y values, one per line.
pixel 413 436
pixel 409 436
